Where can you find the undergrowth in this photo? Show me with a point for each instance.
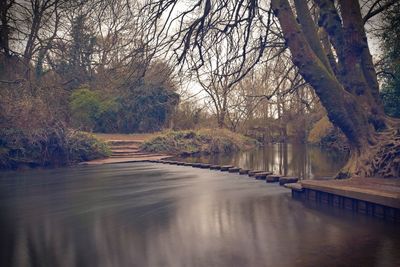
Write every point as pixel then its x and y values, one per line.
pixel 47 147
pixel 203 141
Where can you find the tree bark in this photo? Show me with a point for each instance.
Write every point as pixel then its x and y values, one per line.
pixel 5 28
pixel 349 95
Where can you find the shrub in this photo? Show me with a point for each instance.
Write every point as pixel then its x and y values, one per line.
pixel 324 134
pixel 91 113
pixel 145 108
pixel 53 146
pixel 139 108
pixel 202 141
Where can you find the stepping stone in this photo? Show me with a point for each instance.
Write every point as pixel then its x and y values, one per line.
pixel 295 187
pixel 173 162
pixel 215 167
pixel 187 164
pixel 196 165
pixel 244 171
pixel 205 166
pixel 253 173
pixel 226 168
pixel 262 175
pixel 180 163
pixel 234 169
pixel 287 180
pixel 273 178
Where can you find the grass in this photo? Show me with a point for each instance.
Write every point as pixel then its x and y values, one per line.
pixel 203 141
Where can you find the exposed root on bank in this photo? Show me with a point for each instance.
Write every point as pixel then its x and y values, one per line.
pixel 380 159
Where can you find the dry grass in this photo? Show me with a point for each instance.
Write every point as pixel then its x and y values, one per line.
pixel 200 141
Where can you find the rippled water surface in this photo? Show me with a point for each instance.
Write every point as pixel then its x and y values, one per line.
pixel 302 160
pixel 160 215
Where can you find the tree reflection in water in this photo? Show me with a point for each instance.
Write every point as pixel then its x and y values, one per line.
pixel 162 215
pixel 305 161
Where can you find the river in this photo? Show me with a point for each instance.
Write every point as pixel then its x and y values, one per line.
pixel 301 160
pixel 145 214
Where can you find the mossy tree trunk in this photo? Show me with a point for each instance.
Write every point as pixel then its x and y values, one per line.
pixel 347 85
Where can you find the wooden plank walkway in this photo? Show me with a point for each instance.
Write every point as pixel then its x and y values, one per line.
pixel 376 190
pixel 378 197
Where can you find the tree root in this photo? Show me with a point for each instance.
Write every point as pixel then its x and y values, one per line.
pixel 381 159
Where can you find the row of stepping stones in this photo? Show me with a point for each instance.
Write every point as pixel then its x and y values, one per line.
pixel 269 177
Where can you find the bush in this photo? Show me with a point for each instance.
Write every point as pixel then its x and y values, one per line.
pixel 47 147
pixel 145 108
pixel 324 134
pixel 90 112
pixel 202 141
pixel 139 108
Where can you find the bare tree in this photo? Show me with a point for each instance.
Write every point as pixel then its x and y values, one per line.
pixel 340 69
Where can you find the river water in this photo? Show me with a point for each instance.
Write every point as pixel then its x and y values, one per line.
pixel 144 214
pixel 301 160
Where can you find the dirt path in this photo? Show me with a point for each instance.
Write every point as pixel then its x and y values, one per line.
pixel 125 148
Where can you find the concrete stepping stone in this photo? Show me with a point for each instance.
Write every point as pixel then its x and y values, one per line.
pixel 215 167
pixel 273 178
pixel 187 164
pixel 294 186
pixel 205 166
pixel 287 180
pixel 226 168
pixel 262 175
pixel 244 171
pixel 254 172
pixel 196 165
pixel 234 169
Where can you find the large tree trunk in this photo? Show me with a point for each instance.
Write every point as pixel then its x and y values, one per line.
pixel 347 87
pixel 4 27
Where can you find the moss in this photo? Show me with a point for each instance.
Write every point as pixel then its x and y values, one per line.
pixel 48 147
pixel 204 141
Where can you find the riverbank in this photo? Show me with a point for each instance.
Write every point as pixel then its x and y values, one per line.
pixel 126 148
pixel 196 142
pixel 156 146
pixel 48 147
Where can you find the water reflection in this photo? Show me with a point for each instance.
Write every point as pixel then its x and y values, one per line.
pixel 307 162
pixel 160 215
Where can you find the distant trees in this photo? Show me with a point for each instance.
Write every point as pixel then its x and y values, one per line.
pixel 94 56
pixel 390 69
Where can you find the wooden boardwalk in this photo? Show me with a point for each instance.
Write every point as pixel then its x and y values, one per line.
pixel 378 190
pixel 379 197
